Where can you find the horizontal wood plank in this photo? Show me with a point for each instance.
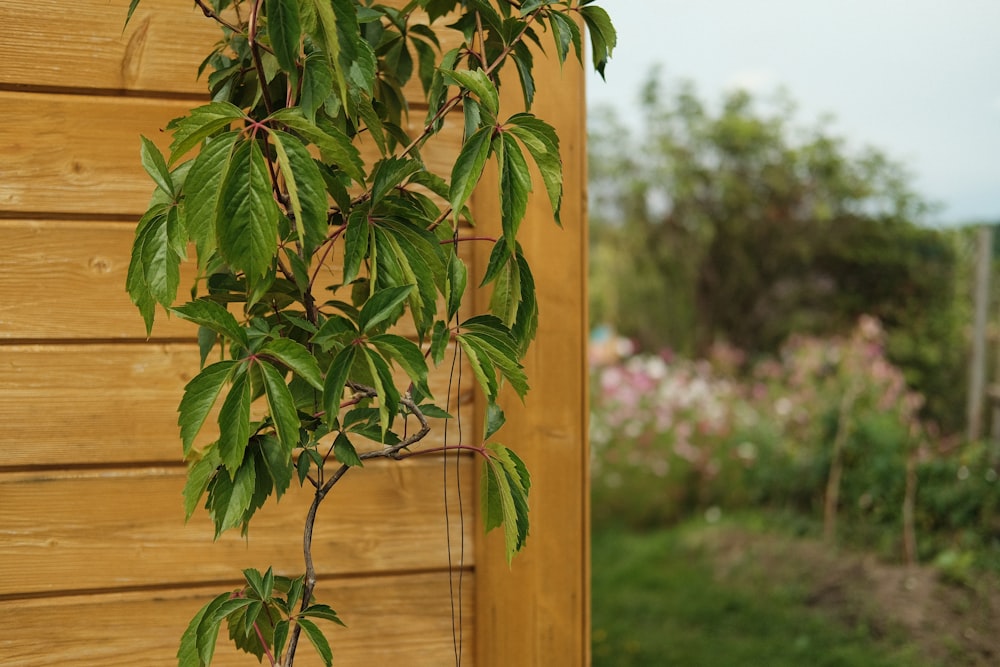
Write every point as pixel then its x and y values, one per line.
pixel 48 264
pixel 75 154
pixel 114 404
pixel 403 620
pixel 107 529
pixel 92 51
pixel 159 51
pixel 66 279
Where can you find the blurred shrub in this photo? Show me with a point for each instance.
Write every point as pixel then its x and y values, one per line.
pixel 731 222
pixel 671 437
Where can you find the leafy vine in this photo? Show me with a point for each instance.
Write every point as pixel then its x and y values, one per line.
pixel 270 181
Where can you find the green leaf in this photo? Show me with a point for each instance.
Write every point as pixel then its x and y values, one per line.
pixel 157 264
pixel 281 406
pixel 468 168
pixel 478 83
pixel 234 423
pixel 336 331
pixel 494 421
pixel 526 324
pixel 515 185
pixel 345 452
pixel 318 641
pixel 391 172
pixel 248 214
pixel 279 463
pixel 542 143
pixel 154 268
pixel 458 278
pixel 306 189
pixel 371 119
pixel 566 32
pixel 383 305
pixel 504 496
pixel 329 39
pixel 229 607
pixel 405 353
pixel 202 188
pixel 499 259
pixel 255 581
pixel 603 37
pixel 190 130
pixel 493 341
pixel 356 242
pixel 200 395
pixel 481 366
pixel 335 147
pixel 228 499
pixel 211 315
pixel 322 611
pixel 336 379
pixel 131 10
pixel 525 62
pixel 440 338
pixel 434 412
pixel 198 641
pixel 506 298
pixel 296 357
pixel 408 255
pixel 156 166
pixel 388 397
pixel 280 635
pixel 285 30
pixel 317 85
pixel 199 475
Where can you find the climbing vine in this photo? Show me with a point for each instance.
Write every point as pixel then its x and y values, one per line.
pixel 316 228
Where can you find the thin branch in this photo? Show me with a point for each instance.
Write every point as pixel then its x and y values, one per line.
pixel 212 14
pixel 392 452
pixel 255 50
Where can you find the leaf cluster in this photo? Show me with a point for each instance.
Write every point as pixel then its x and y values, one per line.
pixel 320 232
pixel 259 617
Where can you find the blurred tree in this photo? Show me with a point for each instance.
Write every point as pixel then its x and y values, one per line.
pixel 736 225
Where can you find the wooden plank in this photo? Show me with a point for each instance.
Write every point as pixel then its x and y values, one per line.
pixel 159 52
pixel 66 279
pixel 48 264
pixel 77 154
pixel 537 613
pixel 402 620
pixel 81 155
pixel 92 51
pixel 113 404
pixel 107 529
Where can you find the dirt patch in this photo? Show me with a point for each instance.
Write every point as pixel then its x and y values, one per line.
pixel 949 624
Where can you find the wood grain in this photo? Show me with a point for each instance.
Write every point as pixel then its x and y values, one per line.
pixel 79 154
pixel 400 619
pixel 107 529
pixel 112 404
pixel 91 51
pixel 49 263
pixel 536 614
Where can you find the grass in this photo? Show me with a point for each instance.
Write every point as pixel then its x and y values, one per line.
pixel 657 600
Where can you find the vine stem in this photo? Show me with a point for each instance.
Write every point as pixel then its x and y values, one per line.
pixel 395 451
pixel 255 50
pixel 212 14
pixel 392 452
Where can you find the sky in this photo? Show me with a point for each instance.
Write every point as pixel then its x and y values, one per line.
pixel 917 79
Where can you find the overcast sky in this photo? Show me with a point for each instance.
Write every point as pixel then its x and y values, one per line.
pixel 918 79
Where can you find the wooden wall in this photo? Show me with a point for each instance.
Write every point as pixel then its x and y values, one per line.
pixel 96 564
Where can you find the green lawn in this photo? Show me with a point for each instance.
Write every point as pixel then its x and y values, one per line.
pixel 658 601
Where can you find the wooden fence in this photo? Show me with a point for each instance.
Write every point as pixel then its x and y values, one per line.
pixel 96 564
